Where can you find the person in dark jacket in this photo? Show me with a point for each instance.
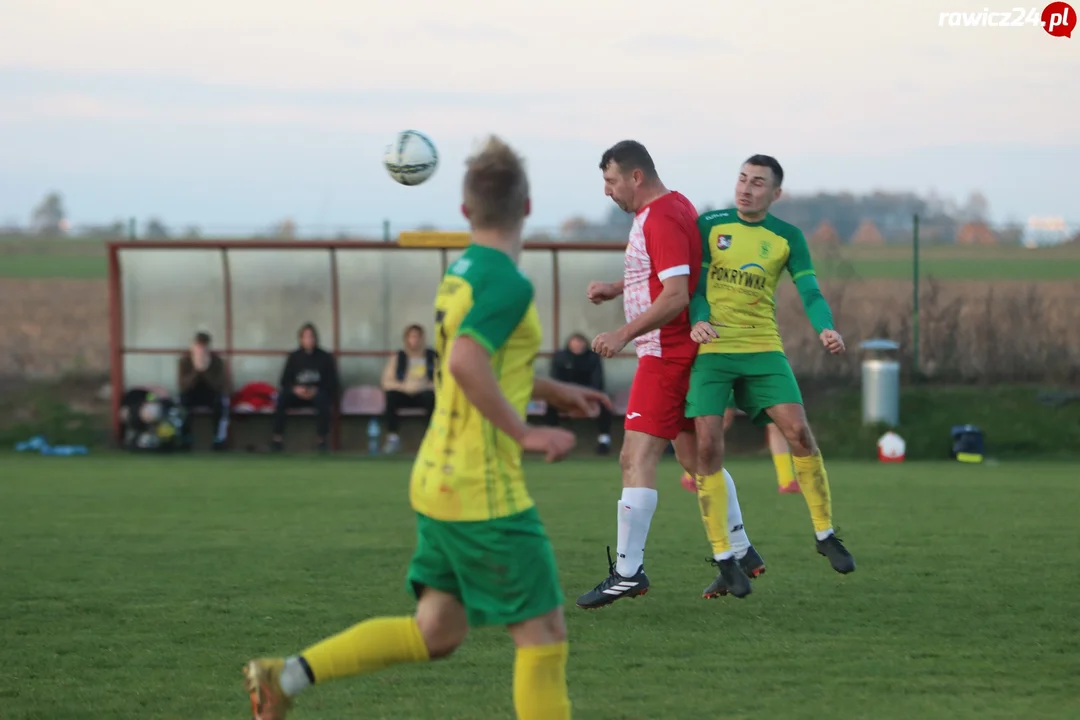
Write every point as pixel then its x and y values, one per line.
pixel 310 379
pixel 409 382
pixel 578 364
pixel 203 383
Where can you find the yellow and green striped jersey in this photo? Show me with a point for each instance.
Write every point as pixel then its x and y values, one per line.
pixel 467 469
pixel 742 263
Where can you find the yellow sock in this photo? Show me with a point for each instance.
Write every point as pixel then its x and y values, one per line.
pixel 785 471
pixel 368 646
pixel 814 483
pixel 540 683
pixel 712 501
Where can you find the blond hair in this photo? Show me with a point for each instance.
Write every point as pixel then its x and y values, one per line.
pixel 495 189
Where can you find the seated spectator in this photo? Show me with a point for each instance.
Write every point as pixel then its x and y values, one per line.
pixel 203 383
pixel 310 379
pixel 409 382
pixel 578 364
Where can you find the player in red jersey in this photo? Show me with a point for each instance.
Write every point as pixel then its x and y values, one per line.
pixel 662 267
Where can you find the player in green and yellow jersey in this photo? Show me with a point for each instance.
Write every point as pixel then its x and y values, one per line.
pixel 786 484
pixel 482 556
pixel 733 316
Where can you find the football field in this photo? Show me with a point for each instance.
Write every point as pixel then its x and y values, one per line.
pixel 135 588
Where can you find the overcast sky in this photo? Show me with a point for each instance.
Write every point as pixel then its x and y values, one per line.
pixel 235 113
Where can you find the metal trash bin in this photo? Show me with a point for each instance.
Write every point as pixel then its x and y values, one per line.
pixel 880 383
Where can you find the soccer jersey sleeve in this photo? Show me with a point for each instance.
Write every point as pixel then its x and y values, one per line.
pixel 699 303
pixel 668 245
pixel 802 272
pixel 498 307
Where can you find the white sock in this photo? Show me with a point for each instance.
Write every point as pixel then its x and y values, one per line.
pixel 740 543
pixel 636 509
pixel 293 677
pixel 724 555
pixel 824 534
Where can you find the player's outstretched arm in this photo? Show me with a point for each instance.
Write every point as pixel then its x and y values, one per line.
pixel 671 301
pixel 701 331
pixel 470 364
pixel 699 303
pixel 801 268
pixel 578 400
pixel 599 292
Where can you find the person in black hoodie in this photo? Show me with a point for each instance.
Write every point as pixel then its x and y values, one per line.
pixel 310 379
pixel 578 364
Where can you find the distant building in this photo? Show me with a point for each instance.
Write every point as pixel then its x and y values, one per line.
pixel 976 233
pixel 867 234
pixel 1041 231
pixel 824 236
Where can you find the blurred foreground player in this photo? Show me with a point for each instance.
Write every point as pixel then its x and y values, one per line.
pixel 482 556
pixel 745 250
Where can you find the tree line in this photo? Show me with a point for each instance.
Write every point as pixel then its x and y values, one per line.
pixel 844 218
pixel 827 218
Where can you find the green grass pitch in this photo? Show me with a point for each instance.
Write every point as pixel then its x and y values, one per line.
pixel 135 588
pixel 71 267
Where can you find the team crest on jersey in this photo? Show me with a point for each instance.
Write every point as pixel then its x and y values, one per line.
pixel 765 248
pixel 723 242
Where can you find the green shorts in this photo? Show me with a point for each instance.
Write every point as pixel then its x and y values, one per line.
pixel 753 381
pixel 502 570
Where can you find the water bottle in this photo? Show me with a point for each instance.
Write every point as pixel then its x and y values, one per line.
pixel 373 431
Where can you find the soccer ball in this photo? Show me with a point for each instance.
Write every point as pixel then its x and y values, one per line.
pixel 412 158
pixel 151 412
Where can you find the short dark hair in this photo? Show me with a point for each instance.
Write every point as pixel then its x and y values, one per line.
pixel 770 162
pixel 202 338
pixel 629 155
pixel 496 188
pixel 415 326
pixel 308 326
